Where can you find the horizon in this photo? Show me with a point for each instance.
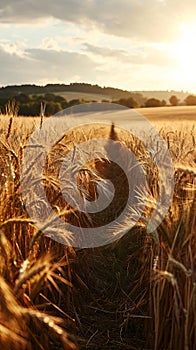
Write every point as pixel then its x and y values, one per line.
pixel 101 86
pixel 128 45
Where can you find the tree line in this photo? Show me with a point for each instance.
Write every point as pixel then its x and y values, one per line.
pixel 190 100
pixel 30 89
pixel 29 105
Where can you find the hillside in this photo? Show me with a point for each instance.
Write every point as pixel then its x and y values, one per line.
pixel 165 95
pixel 88 92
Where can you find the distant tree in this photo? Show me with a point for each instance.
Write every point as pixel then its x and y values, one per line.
pixel 26 110
pixel 127 102
pixel 190 100
pixel 74 102
pixel 163 103
pixel 49 97
pixel 153 102
pixel 58 98
pixel 37 97
pixel 30 109
pixel 35 109
pixel 3 102
pixel 64 104
pixel 22 98
pixel 131 103
pixel 174 100
pixel 52 108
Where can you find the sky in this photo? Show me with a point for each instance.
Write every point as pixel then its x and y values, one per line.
pixel 128 44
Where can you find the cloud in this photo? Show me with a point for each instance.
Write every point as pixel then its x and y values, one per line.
pixel 152 20
pixel 42 66
pixel 103 64
pixel 137 55
pixel 104 51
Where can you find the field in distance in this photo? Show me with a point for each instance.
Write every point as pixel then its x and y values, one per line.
pixel 174 117
pixel 178 113
pixel 69 95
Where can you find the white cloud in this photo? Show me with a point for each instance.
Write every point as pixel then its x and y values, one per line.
pixel 50 44
pixel 39 65
pixel 114 43
pixel 150 20
pixel 42 66
pixel 136 55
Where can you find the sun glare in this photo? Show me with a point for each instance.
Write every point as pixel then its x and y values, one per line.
pixel 184 51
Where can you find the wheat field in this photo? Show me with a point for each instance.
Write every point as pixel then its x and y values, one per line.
pixel 136 293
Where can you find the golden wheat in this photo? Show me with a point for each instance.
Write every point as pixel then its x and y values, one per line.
pixel 137 293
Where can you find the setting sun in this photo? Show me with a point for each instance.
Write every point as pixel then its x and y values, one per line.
pixel 184 53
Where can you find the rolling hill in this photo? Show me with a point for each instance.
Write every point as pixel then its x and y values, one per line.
pixel 88 92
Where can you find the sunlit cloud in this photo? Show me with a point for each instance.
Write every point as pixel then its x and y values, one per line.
pixel 43 66
pixel 125 44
